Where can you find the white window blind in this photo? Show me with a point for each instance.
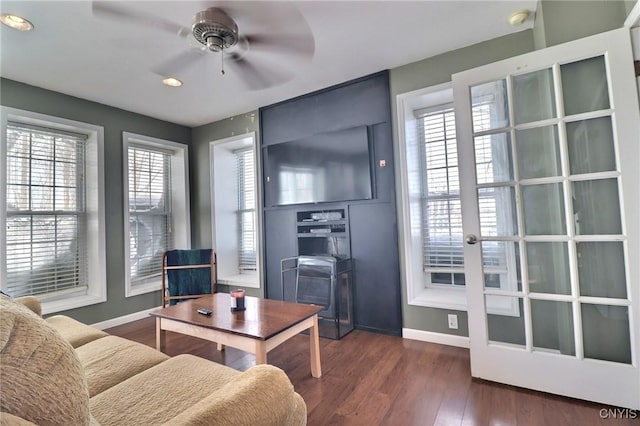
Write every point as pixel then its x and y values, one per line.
pixel 46 229
pixel 246 210
pixel 443 256
pixel 149 175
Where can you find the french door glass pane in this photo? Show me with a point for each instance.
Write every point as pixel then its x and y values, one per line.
pixel 584 84
pixel 601 269
pixel 605 331
pixel 596 207
pixel 538 152
pixel 497 211
pixel 544 209
pixel 552 326
pixel 489 108
pixel 505 322
pixel 591 146
pixel 501 265
pixel 493 158
pixel 533 96
pixel 548 267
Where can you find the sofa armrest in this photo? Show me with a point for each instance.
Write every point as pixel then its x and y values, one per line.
pixel 261 396
pixel 32 303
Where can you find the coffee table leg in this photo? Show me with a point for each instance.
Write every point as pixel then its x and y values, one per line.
pixel 261 353
pixel 314 344
pixel 160 334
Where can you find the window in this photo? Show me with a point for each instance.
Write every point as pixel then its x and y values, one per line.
pixel 246 210
pixel 234 222
pixel 149 211
pixel 156 205
pixel 53 239
pixel 432 214
pixel 443 257
pixel 443 248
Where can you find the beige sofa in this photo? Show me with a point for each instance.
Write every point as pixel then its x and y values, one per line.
pixel 59 371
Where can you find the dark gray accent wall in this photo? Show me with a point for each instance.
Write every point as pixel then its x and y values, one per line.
pixel 114 121
pixel 373 227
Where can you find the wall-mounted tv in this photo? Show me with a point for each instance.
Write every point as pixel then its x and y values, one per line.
pixel 332 166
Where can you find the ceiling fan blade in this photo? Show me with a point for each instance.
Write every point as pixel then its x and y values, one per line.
pixel 256 78
pixel 177 64
pixel 112 10
pixel 299 44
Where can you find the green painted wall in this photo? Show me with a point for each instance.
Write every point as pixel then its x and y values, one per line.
pixel 199 165
pixel 426 73
pixel 570 20
pixel 114 121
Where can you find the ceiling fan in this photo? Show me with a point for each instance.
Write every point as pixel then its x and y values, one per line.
pixel 284 34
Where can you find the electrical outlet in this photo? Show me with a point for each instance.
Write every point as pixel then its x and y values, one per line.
pixel 453 321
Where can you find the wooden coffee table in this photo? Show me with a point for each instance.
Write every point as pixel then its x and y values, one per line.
pixel 264 324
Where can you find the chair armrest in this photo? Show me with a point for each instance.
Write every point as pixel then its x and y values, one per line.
pixel 261 396
pixel 32 303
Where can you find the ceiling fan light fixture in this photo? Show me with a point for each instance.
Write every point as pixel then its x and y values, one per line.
pixel 16 22
pixel 172 82
pixel 215 44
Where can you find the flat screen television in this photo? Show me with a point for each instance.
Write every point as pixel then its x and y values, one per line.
pixel 332 166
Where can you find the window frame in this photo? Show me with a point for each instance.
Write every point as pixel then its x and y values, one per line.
pixel 418 292
pixel 224 207
pixel 180 208
pixel 420 115
pixel 96 287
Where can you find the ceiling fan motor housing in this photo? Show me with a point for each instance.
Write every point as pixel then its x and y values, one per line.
pixel 215 29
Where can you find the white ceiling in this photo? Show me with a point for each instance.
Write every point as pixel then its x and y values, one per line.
pixel 73 51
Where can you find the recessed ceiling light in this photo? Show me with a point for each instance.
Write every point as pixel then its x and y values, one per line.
pixel 173 82
pixel 16 22
pixel 519 17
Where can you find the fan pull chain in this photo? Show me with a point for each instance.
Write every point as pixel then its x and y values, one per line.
pixel 222 61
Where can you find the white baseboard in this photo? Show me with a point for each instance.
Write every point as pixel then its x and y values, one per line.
pixel 431 337
pixel 123 319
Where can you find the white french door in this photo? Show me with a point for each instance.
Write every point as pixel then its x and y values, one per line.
pixel 549 152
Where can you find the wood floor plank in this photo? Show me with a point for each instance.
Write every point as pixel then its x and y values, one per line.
pixel 372 379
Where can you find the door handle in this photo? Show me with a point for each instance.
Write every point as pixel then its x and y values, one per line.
pixel 471 239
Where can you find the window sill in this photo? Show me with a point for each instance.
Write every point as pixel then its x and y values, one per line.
pixel 443 298
pixel 456 299
pixel 241 280
pixel 145 288
pixel 55 306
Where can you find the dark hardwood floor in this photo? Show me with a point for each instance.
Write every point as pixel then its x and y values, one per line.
pixel 373 379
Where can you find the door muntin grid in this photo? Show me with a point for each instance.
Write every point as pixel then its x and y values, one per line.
pixel 549 199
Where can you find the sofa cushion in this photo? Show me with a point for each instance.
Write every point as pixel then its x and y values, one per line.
pixel 160 393
pixel 111 360
pixel 42 378
pixel 74 331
